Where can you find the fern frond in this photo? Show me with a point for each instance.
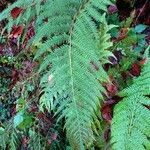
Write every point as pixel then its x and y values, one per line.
pixel 9 138
pixel 14 140
pixel 35 140
pixel 131 121
pixel 3 139
pixel 104 42
pixel 72 48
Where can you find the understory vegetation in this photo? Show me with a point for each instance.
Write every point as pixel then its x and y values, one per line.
pixel 74 75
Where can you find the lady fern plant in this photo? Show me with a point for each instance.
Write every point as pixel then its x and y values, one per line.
pixel 71 85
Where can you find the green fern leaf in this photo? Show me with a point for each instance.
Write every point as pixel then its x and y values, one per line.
pixel 9 138
pixel 131 121
pixel 35 140
pixel 73 46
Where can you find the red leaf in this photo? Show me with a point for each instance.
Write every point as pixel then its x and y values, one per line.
pixel 122 34
pixel 1 49
pixel 16 31
pixel 30 33
pixel 107 135
pixel 107 112
pixel 112 9
pixel 25 141
pixel 13 111
pixel 53 136
pixel 125 75
pixel 136 69
pixel 15 78
pixel 107 107
pixel 15 12
pixel 40 115
pixel 33 108
pixel 111 101
pixel 142 12
pixel 142 62
pixel 112 88
pixel 49 142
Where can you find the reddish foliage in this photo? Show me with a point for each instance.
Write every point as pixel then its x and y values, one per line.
pixel 106 112
pixel 125 75
pixel 13 110
pixel 142 11
pixel 135 69
pixel 33 108
pixel 49 142
pixel 14 78
pixel 1 49
pixel 16 31
pixel 43 117
pixel 53 136
pixel 112 9
pixel 40 115
pixel 122 35
pixel 140 7
pixel 107 108
pixel 107 134
pixel 15 12
pixel 25 141
pixel 111 87
pixel 30 33
pixel 45 123
pixel 142 62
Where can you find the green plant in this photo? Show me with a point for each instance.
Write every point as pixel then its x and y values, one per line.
pixel 130 125
pixel 71 47
pixel 10 138
pixel 77 48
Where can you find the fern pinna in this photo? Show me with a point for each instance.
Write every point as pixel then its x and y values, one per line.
pixel 131 121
